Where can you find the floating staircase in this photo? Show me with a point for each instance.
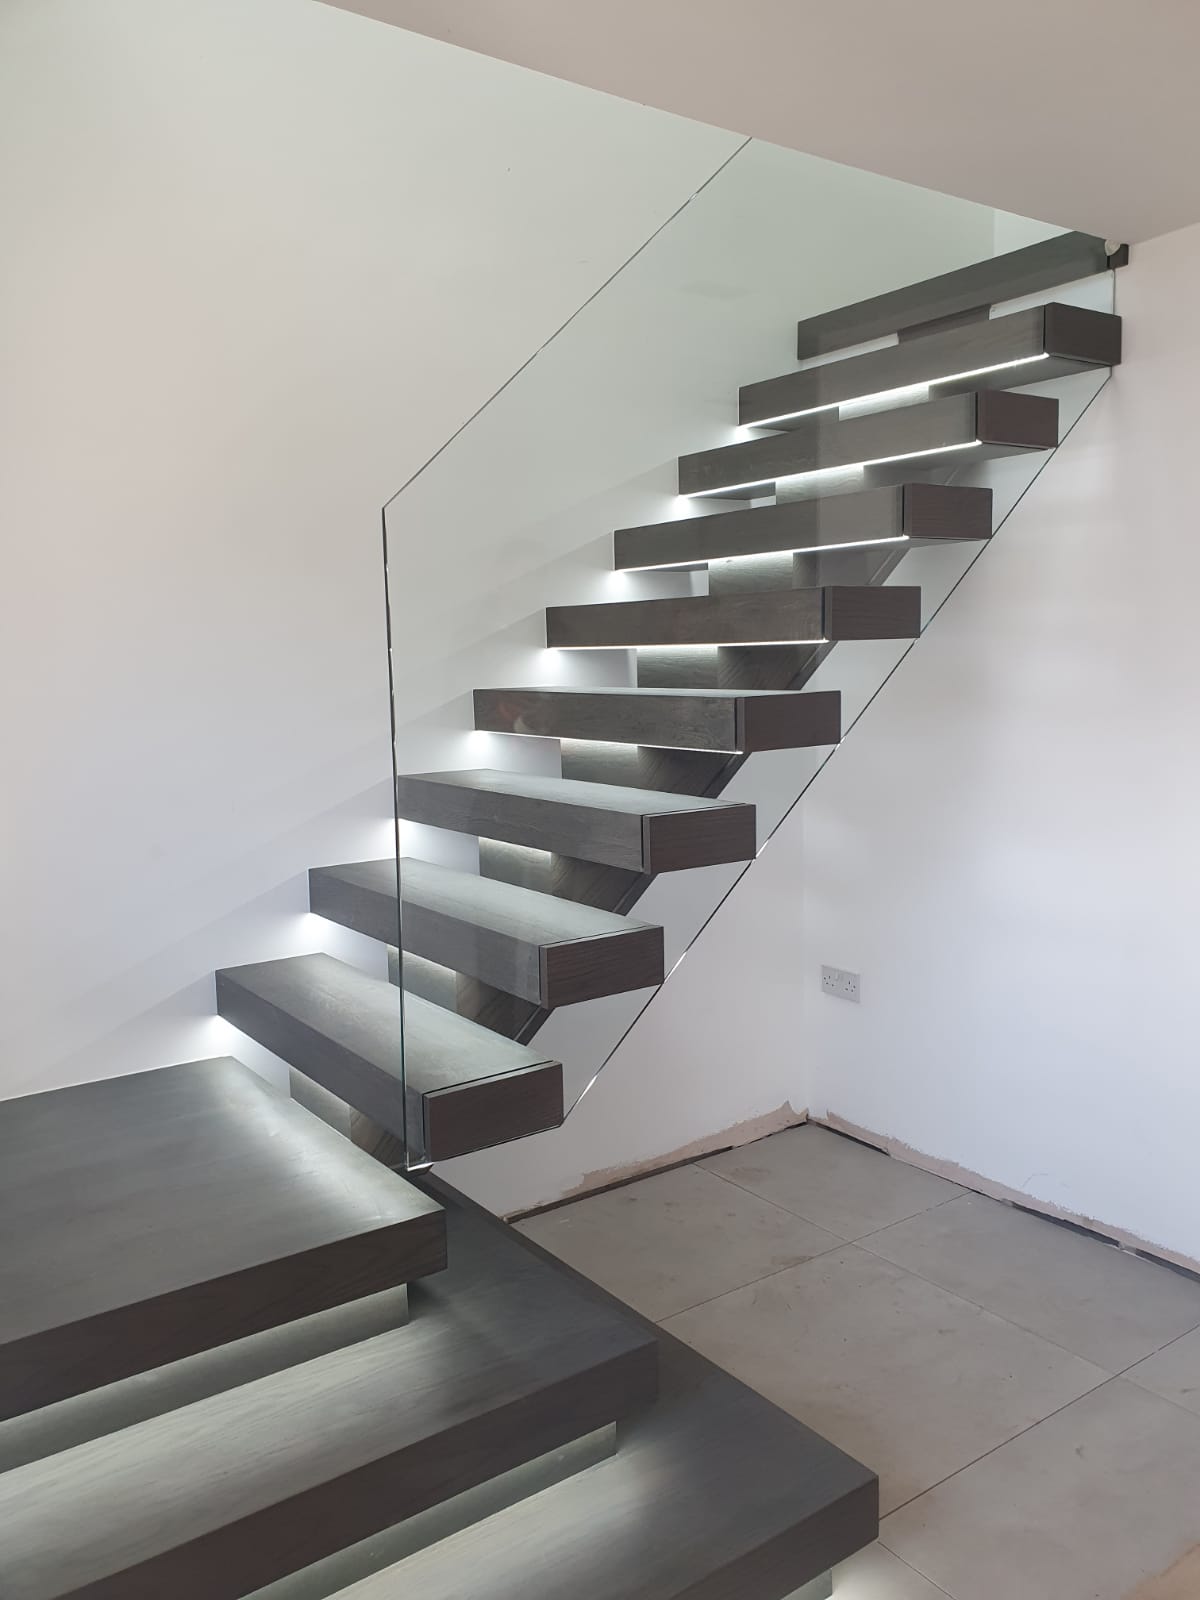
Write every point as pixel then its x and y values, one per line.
pixel 718 678
pixel 238 1357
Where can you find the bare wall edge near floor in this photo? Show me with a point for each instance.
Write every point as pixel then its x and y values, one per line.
pixel 747 1132
pixel 1180 1582
pixel 964 1176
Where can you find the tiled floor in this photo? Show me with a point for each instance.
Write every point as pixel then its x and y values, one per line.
pixel 1030 1397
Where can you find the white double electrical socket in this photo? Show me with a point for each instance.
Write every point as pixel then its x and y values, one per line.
pixel 840 983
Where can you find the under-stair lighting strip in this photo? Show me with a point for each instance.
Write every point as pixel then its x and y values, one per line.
pixel 753 555
pixel 702 644
pixel 884 394
pixel 627 744
pixel 814 472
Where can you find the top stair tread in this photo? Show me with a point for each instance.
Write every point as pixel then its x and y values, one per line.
pixel 504 1358
pixel 128 1201
pixel 1047 264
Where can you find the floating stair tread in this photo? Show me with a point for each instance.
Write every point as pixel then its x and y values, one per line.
pixel 150 1217
pixel 505 1359
pixel 468 1088
pixel 646 830
pixel 915 512
pixel 732 720
pixel 1031 346
pixel 774 616
pixel 713 1494
pixel 546 949
pixel 1045 265
pixel 978 425
pixel 573 791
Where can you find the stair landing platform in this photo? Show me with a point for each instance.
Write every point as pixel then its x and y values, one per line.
pixel 150 1217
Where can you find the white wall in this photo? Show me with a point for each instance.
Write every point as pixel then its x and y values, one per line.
pixel 1006 848
pixel 259 261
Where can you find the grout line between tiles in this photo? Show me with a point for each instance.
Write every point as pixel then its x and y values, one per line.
pixel 1020 1327
pixel 1187 1333
pixel 839 1244
pixel 734 1184
pixel 924 1576
pixel 966 1467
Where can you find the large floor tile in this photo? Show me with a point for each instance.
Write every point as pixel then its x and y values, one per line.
pixel 676 1239
pixel 876 1574
pixel 1097 1301
pixel 1173 1373
pixel 1091 1504
pixel 834 1182
pixel 913 1381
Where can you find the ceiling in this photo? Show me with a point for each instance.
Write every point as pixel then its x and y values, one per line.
pixel 1083 113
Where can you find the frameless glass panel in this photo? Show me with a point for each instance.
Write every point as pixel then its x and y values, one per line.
pixel 572 816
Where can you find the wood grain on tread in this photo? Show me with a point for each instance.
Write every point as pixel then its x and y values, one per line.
pixel 694 719
pixel 435 1079
pixel 593 822
pixel 989 423
pixel 106 1272
pixel 542 948
pixel 714 1494
pixel 504 1359
pixel 1049 341
pixel 916 511
pixel 1044 265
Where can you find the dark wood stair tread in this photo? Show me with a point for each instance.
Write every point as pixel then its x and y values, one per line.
pixel 545 949
pixel 914 513
pixel 713 1494
pixel 981 424
pixel 645 830
pixel 455 1087
pixel 1033 268
pixel 680 719
pixel 107 1271
pixel 1030 346
pixel 777 616
pixel 505 1358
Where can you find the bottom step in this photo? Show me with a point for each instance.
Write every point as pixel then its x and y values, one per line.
pixel 714 1494
pixel 506 1359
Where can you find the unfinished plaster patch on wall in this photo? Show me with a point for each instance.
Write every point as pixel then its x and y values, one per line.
pixel 728 1139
